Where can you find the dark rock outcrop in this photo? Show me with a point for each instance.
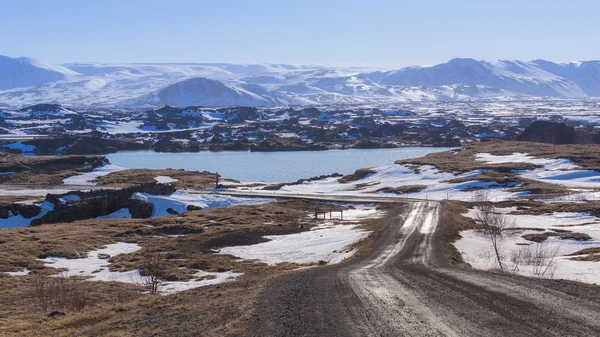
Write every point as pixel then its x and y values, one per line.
pixel 548 132
pixel 27 211
pixel 103 202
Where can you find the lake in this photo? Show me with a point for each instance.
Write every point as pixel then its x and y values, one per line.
pixel 270 166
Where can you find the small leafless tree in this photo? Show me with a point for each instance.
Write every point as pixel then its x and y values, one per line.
pixel 495 227
pixel 154 269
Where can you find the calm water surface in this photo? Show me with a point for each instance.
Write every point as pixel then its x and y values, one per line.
pixel 270 166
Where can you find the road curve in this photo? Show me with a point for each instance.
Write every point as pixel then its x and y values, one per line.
pixel 403 286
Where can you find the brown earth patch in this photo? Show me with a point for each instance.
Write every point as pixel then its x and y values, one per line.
pixel 403 189
pixel 451 224
pixel 541 237
pixel 357 175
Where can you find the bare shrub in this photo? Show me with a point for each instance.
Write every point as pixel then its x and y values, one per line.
pixel 154 269
pixel 61 292
pixel 481 196
pixel 495 227
pixel 541 258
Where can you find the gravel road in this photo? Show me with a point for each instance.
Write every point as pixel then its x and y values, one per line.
pixel 403 286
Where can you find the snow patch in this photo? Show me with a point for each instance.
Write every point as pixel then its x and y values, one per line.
pixel 165 179
pixel 328 242
pixel 87 178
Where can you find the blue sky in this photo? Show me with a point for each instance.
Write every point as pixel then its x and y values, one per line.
pixel 329 32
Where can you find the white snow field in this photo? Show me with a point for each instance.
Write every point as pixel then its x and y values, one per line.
pixel 97 269
pixel 179 200
pixel 555 171
pixel 87 178
pixel 477 250
pixel 329 241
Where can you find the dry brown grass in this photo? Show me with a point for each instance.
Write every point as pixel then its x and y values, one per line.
pixel 403 189
pixel 357 175
pixel 186 179
pixel 541 237
pixel 43 170
pixel 120 309
pixel 451 224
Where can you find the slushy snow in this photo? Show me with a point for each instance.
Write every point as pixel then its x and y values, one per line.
pixel 97 269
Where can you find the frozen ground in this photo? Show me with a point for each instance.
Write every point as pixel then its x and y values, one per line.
pixel 330 241
pixel 180 200
pixel 97 269
pixel 477 251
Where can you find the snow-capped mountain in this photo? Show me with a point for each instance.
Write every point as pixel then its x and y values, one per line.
pixel 25 81
pixel 26 72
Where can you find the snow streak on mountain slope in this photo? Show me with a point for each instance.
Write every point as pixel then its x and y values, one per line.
pixel 24 72
pixel 25 81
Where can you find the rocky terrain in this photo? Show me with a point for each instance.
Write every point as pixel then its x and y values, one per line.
pixel 51 129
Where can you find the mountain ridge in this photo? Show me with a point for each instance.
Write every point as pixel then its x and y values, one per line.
pixel 25 81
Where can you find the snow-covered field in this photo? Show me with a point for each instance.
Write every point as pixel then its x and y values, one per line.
pixel 96 267
pixel 553 261
pixel 330 241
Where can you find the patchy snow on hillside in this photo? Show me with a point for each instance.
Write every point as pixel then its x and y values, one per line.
pixel 96 268
pixel 329 241
pixel 88 178
pixel 435 182
pixel 179 200
pixel 559 171
pixel 556 164
pixel 554 261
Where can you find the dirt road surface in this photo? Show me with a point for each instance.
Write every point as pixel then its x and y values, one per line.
pixel 403 286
